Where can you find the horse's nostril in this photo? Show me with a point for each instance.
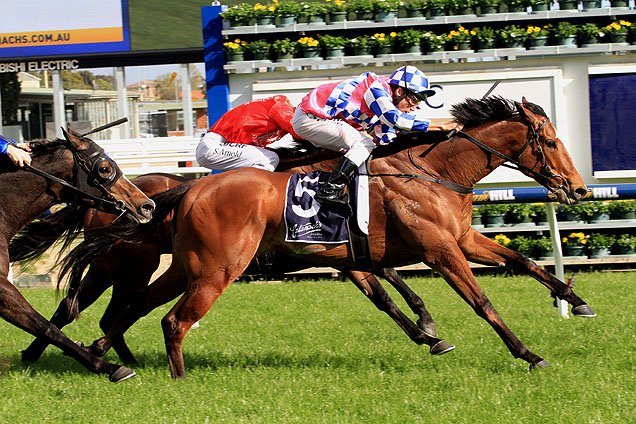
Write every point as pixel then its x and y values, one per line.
pixel 581 191
pixel 147 208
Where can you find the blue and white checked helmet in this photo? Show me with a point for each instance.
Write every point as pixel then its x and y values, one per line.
pixel 413 80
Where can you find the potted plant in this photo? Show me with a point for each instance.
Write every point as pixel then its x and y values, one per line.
pixel 359 46
pixel 565 34
pixel 537 36
pixel 382 44
pixel 309 47
pixel 543 248
pixel 512 36
pixel 238 15
pixel 523 245
pixel 415 8
pixel 288 12
pixel 589 33
pixel 432 42
pixel 623 209
pixel 538 5
pixel 623 4
pixel 475 218
pixel 599 244
pixel 617 31
pixel 591 4
pixel 459 39
pixel 337 10
pixel 314 12
pixel 462 7
pixel 409 40
pixel 265 14
pixel 235 49
pixel 437 8
pixel 571 213
pixel 333 45
pixel 258 49
pixel 284 48
pixel 362 9
pixel 568 4
pixel 483 38
pixel 519 214
pixel 597 211
pixel 574 244
pixel 492 214
pixel 385 10
pixel 626 244
pixel 513 6
pixel 539 213
pixel 488 7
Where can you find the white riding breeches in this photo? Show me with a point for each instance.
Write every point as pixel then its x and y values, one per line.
pixel 333 134
pixel 216 153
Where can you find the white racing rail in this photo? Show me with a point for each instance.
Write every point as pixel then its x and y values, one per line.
pixel 171 155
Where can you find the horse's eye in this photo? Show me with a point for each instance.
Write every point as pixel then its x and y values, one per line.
pixel 551 144
pixel 104 170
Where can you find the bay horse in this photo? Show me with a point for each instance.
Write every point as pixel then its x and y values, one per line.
pixel 71 170
pixel 128 267
pixel 420 195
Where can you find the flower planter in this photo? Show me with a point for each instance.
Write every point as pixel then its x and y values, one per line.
pixel 235 57
pixel 284 56
pixel 316 20
pixel 516 8
pixel 545 255
pixel 491 220
pixel 337 17
pixel 238 23
pixel 626 215
pixel 567 41
pixel 415 13
pixel 464 45
pixel 625 250
pixel 361 51
pixel 364 16
pixel 386 16
pixel 585 40
pixel 260 56
pixel 619 3
pixel 334 52
pixel 311 52
pixel 574 251
pixel 569 217
pixel 485 45
pixel 412 49
pixel 288 20
pixel 591 4
pixel 514 44
pixel 568 4
pixel 464 11
pixel 265 20
pixel 382 50
pixel 437 13
pixel 476 221
pixel 599 217
pixel 599 252
pixel 488 10
pixel 543 7
pixel 522 221
pixel 537 42
pixel 618 37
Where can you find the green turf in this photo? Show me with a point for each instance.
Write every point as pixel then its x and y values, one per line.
pixel 319 352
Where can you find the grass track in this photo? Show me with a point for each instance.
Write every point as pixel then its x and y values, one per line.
pixel 316 352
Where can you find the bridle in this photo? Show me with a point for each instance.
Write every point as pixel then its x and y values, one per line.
pixel 88 162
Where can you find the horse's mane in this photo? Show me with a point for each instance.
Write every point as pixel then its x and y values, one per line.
pixel 43 146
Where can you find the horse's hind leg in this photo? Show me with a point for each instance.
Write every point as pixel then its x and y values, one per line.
pixel 92 287
pixel 371 287
pixel 425 320
pixel 480 249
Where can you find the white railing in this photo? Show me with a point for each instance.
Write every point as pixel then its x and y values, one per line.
pixel 171 155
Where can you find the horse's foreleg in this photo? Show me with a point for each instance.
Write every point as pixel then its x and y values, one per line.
pixel 455 270
pixel 371 287
pixel 92 287
pixel 480 249
pixel 166 288
pixel 17 311
pixel 425 320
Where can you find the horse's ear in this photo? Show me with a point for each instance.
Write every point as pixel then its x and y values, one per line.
pixel 75 139
pixel 524 100
pixel 524 112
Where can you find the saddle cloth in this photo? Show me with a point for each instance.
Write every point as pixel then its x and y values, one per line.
pixel 306 221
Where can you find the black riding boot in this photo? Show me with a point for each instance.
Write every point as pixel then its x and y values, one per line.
pixel 331 191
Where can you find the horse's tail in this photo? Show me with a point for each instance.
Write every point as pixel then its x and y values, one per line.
pixel 98 242
pixel 62 226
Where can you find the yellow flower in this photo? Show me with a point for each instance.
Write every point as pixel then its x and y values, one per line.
pixel 393 34
pixel 502 239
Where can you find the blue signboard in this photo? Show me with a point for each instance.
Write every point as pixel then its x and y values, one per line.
pixel 218 92
pixel 541 194
pixel 613 122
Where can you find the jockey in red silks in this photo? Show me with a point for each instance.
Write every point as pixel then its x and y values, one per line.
pixel 17 152
pixel 240 138
pixel 337 116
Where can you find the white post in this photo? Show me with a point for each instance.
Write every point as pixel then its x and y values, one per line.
pixel 59 112
pixel 122 101
pixel 186 89
pixel 562 305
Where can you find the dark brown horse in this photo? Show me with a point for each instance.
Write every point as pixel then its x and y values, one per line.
pixel 421 203
pixel 74 170
pixel 128 267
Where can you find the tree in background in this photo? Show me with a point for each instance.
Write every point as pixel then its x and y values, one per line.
pixel 10 92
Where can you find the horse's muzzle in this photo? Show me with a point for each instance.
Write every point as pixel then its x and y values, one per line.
pixel 144 212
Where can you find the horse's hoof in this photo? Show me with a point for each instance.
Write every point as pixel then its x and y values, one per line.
pixel 541 364
pixel 441 348
pixel 121 374
pixel 28 357
pixel 583 311
pixel 428 329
